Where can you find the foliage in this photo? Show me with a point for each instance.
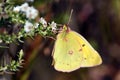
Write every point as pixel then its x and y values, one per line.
pixel 18 23
pixel 14 64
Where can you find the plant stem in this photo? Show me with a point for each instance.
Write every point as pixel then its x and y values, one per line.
pixel 4 61
pixel 5 77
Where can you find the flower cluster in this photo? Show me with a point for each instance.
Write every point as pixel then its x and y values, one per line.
pixel 42 25
pixel 30 12
pixel 24 16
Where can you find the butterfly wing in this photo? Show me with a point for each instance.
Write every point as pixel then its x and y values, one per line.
pixel 67 53
pixel 90 56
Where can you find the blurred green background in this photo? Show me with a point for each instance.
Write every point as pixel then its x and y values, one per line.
pixel 97 20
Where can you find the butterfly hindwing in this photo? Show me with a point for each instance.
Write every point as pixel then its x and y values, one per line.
pixel 67 53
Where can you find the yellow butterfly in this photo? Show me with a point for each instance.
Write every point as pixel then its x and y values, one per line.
pixel 72 51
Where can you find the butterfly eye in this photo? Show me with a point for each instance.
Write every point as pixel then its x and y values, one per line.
pixel 65 27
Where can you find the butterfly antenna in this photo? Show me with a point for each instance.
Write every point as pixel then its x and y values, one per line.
pixel 70 16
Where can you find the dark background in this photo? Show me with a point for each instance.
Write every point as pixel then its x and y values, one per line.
pixel 97 20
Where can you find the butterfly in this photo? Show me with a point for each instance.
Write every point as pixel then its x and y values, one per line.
pixel 72 51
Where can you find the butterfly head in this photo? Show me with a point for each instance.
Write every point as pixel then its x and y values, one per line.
pixel 66 28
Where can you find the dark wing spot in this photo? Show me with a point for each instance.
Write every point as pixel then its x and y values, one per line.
pixel 85 58
pixel 68 64
pixel 83 45
pixel 70 52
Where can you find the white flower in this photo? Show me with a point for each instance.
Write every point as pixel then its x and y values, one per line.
pixel 36 25
pixel 1 41
pixel 24 7
pixel 31 13
pixel 28 26
pixel 43 22
pixel 53 25
pixel 17 8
